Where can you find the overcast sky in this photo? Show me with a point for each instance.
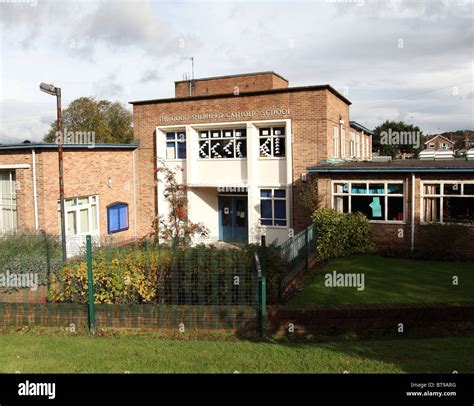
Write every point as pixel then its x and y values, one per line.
pixel 396 60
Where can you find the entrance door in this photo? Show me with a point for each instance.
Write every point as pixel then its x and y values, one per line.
pixel 233 224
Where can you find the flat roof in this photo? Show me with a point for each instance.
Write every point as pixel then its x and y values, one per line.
pixel 250 93
pixel 42 145
pixel 268 72
pixel 355 124
pixel 396 166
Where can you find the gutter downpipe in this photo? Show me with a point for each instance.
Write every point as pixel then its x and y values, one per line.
pixel 35 194
pixel 134 196
pixel 412 211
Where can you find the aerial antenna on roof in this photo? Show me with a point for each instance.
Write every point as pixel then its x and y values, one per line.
pixel 191 81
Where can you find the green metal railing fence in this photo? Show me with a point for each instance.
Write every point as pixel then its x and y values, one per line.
pixel 297 251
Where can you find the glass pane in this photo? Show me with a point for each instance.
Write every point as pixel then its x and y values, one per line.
pixel 228 133
pixel 279 131
pixel 395 188
pixel 215 133
pixel 82 201
pixel 228 148
pixel 94 225
pixel 203 149
pixel 372 207
pixel 170 150
pixel 170 136
pixel 123 214
pixel 241 132
pixel 341 204
pixel 69 203
pixel 432 189
pixel 469 188
pixel 264 132
pixel 280 209
pixel 431 212
pixel 395 209
pixel 113 219
pixel 240 213
pixel 279 146
pixel 359 188
pixel 181 137
pixel 458 209
pixel 266 193
pixel 266 222
pixel 280 222
pixel 241 148
pixel 71 223
pixel 279 192
pixel 452 188
pixel 226 213
pixel 217 149
pixel 377 188
pixel 203 134
pixel 266 209
pixel 181 150
pixel 84 218
pixel 265 147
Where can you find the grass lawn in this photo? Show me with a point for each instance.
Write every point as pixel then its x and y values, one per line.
pixel 148 354
pixel 391 280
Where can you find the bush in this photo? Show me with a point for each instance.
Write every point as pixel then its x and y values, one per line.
pixel 23 253
pixel 157 275
pixel 341 234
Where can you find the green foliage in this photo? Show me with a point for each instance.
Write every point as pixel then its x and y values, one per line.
pixel 198 275
pixel 111 122
pixel 341 234
pixel 24 253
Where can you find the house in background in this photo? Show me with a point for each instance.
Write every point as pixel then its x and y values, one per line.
pixel 439 143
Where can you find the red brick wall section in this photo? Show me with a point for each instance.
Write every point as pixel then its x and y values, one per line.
pixel 240 84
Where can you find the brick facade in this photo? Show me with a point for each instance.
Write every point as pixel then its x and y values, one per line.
pixel 106 173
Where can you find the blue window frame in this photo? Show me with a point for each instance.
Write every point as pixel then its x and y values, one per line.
pixel 273 207
pixel 117 218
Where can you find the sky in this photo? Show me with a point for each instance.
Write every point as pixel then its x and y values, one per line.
pixel 394 60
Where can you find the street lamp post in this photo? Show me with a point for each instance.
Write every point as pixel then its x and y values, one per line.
pixel 56 91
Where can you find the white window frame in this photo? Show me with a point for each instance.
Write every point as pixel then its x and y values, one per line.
pixel 77 209
pixel 12 207
pixel 273 198
pixel 221 137
pixel 335 141
pixel 357 145
pixel 352 145
pixel 272 137
pixel 175 141
pixel 385 196
pixel 441 196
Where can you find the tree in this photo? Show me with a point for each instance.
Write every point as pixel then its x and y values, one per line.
pixel 393 137
pixel 175 228
pixel 110 122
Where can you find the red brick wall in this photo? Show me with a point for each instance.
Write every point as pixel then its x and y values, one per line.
pixel 231 84
pixel 86 172
pixel 309 112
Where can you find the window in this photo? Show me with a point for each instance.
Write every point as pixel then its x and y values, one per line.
pixel 447 202
pixel 273 207
pixel 272 142
pixel 352 145
pixel 117 217
pixel 357 145
pixel 335 142
pixel 8 209
pixel 343 143
pixel 176 145
pixel 378 201
pixel 431 145
pixel 82 215
pixel 223 143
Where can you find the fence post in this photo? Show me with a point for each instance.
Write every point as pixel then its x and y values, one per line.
pixel 306 249
pixel 48 267
pixel 264 288
pixel 90 285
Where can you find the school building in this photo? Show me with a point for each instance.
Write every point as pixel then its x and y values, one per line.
pixel 245 146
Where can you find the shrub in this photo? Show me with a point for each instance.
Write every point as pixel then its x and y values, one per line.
pixel 341 234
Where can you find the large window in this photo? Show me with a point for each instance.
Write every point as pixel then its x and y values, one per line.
pixel 272 142
pixel 82 215
pixel 447 202
pixel 223 143
pixel 273 207
pixel 378 201
pixel 335 142
pixel 117 218
pixel 8 210
pixel 352 145
pixel 176 145
pixel 343 143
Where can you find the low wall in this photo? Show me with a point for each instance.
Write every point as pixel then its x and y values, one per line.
pixel 368 320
